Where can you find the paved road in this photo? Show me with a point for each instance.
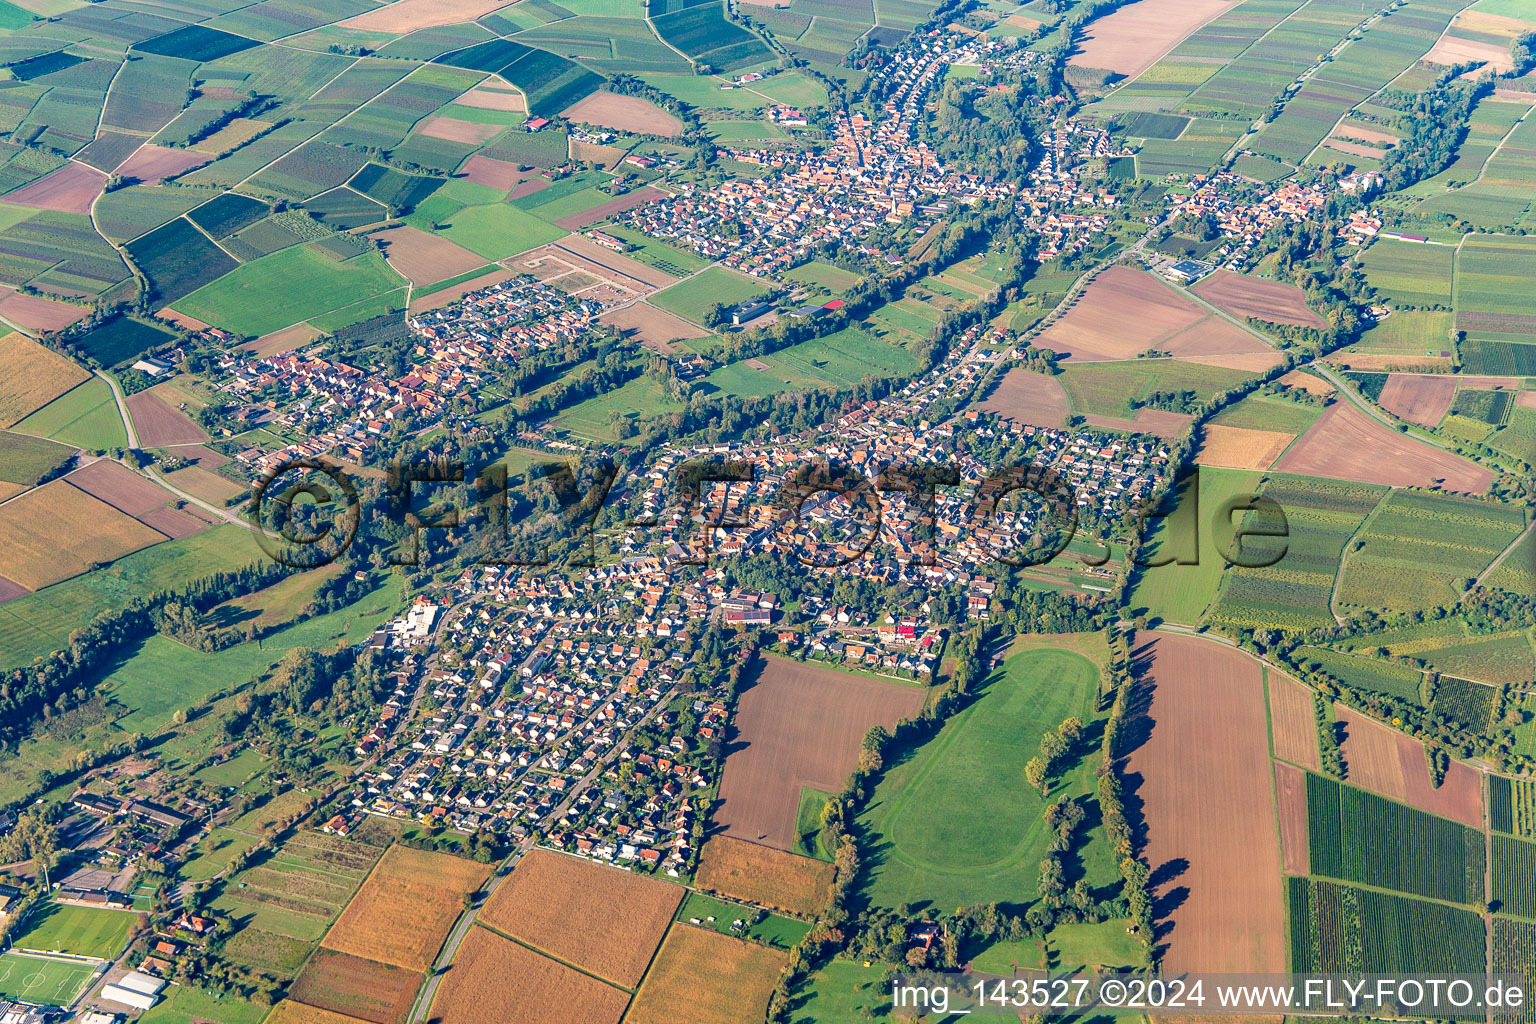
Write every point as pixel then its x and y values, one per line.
pixel 122 408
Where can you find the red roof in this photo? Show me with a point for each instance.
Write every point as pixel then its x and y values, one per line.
pixel 834 304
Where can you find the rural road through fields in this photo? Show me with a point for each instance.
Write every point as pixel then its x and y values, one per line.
pixel 1364 406
pixel 428 993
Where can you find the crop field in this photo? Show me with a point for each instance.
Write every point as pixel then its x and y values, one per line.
pixel 57 531
pixel 1512 806
pixel 358 988
pixel 1409 274
pixel 842 359
pixel 703 33
pixel 494 980
pixel 26 460
pixel 308 282
pixel 953 821
pixel 1464 701
pixel 1492 306
pixel 705 977
pixel 1338 928
pixel 781 748
pixel 1266 412
pixel 497 232
pixel 1209 806
pixel 178 259
pixel 394 188
pixel 84 416
pixel 228 213
pixel 1393 765
pixel 1240 448
pixel 605 921
pixel 1418 546
pixel 1513 944
pixel 37 980
pixel 35 376
pixel 1292 725
pixel 1118 389
pixel 1415 337
pixel 1359 837
pixel 129 212
pixel 763 875
pixel 1446 645
pixel 1098 326
pixel 1346 444
pixel 81 931
pixel 1272 301
pixel 432 884
pixel 1514 876
pixel 1181 591
pixel 1294 592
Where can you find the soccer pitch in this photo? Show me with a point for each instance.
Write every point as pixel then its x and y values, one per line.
pixel 36 980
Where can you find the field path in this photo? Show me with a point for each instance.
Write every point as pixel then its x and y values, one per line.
pixel 122 409
pixel 1366 407
pixel 1338 576
pixel 1499 560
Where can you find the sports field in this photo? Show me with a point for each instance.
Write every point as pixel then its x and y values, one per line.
pixel 955 823
pixel 81 931
pixel 37 980
pixel 692 297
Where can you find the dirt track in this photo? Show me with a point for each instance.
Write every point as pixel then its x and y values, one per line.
pixel 800 725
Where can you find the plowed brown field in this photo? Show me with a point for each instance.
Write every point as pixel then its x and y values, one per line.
pixel 1385 761
pixel 1291 797
pixel 1346 444
pixel 1274 301
pixel 1419 398
pixel 1034 398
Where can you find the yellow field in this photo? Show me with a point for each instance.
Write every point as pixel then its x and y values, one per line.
pixel 605 921
pixel 757 874
pixel 405 910
pixel 704 977
pixel 1241 447
pixel 57 531
pixel 34 376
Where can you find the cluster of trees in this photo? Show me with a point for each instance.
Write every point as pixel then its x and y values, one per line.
pixel 34 837
pixel 1436 120
pixel 1054 747
pixel 1328 737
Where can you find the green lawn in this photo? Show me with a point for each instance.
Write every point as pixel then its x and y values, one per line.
pixel 184 1004
pixel 496 232
pixel 1180 593
pixel 52 982
pixel 692 297
pixel 602 417
pixel 808 824
pixel 287 287
pixel 955 823
pixel 842 359
pixel 834 279
pixel 844 992
pixel 213 854
pixel 85 416
pixel 782 932
pixel 730 131
pixel 1106 944
pixel 232 774
pixel 82 931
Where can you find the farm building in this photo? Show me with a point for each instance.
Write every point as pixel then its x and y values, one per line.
pixel 134 989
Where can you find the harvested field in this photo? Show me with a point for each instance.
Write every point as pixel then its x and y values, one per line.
pixel 10 590
pixel 1292 721
pixel 606 921
pixel 173 522
pixel 494 980
pixel 431 884
pixel 364 989
pixel 486 97
pixel 57 531
pixel 1393 765
pixel 120 487
pixel 34 376
pixel 453 293
pixel 153 164
pixel 498 174
pixel 1147 421
pixel 1206 801
pixel 1418 398
pixel 608 156
pixel 799 725
pixel 1346 444
pixel 625 113
pixel 1253 362
pixel 1214 337
pixel 1310 383
pixel 290 1011
pixel 414 15
pixel 704 977
pixel 1034 398
pixel 1121 313
pixel 1291 800
pixel 628 201
pixel 70 189
pixel 529 186
pixel 1241 448
pixel 654 328
pixel 1364 134
pixel 1133 38
pixel 209 486
pixel 285 340
pixel 159 423
pixel 1355 149
pixel 758 874
pixel 1271 301
pixel 35 313
pixel 425 258
pixel 191 323
pixel 1451 50
pixel 452 129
